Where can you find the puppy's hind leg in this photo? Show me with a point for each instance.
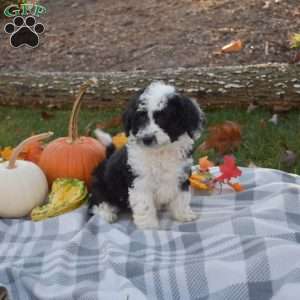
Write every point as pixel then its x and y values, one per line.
pixel 98 202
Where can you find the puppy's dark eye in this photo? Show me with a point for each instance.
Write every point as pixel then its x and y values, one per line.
pixel 171 113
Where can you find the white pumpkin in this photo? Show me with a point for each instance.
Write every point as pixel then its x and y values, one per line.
pixel 23 185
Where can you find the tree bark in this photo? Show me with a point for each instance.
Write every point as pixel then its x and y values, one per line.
pixel 268 85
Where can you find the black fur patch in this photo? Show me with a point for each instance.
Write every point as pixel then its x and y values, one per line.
pixel 111 180
pixel 184 182
pixel 178 117
pixel 185 185
pixel 130 112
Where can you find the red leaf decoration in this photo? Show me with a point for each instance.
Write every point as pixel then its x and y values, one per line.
pixel 228 169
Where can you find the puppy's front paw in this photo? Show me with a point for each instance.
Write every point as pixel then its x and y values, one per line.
pixel 185 216
pixel 146 223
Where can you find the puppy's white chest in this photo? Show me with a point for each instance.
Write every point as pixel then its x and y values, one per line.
pixel 160 170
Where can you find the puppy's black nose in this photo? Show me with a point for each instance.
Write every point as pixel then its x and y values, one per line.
pixel 149 140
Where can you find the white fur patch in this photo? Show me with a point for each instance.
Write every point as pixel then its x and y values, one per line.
pixel 103 137
pixel 106 212
pixel 155 96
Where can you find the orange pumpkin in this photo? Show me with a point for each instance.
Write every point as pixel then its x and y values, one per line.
pixel 72 156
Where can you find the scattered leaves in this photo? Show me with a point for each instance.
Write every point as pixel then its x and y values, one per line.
pixel 233 46
pixel 223 138
pixel 202 179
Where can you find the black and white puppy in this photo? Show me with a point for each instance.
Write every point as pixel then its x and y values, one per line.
pixel 153 169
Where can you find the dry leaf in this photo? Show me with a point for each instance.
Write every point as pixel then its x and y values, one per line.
pixel 6 153
pixel 234 46
pixel 237 187
pixel 47 115
pixel 224 138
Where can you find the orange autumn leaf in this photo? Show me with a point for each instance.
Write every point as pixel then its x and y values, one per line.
pixel 6 153
pixel 119 140
pixel 233 46
pixel 205 164
pixel 32 152
pixel 237 187
pixel 223 138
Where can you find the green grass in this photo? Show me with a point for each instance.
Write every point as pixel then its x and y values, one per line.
pixel 261 145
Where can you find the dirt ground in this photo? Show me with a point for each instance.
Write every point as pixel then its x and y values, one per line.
pixel 118 35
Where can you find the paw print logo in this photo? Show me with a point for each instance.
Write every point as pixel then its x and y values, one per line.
pixel 24 31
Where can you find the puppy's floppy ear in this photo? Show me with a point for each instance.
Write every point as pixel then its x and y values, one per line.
pixel 127 118
pixel 129 113
pixel 194 118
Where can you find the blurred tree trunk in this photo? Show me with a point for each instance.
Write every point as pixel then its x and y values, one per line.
pixel 268 84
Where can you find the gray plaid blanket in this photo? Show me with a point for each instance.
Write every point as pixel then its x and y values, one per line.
pixel 244 246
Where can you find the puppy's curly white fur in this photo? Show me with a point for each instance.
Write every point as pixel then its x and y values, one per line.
pixel 153 169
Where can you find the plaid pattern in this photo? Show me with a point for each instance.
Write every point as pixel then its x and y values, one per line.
pixel 244 246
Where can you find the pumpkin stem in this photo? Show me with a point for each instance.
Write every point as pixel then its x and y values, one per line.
pixel 73 123
pixel 19 148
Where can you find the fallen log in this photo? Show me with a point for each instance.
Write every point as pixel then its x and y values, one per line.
pixel 267 84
